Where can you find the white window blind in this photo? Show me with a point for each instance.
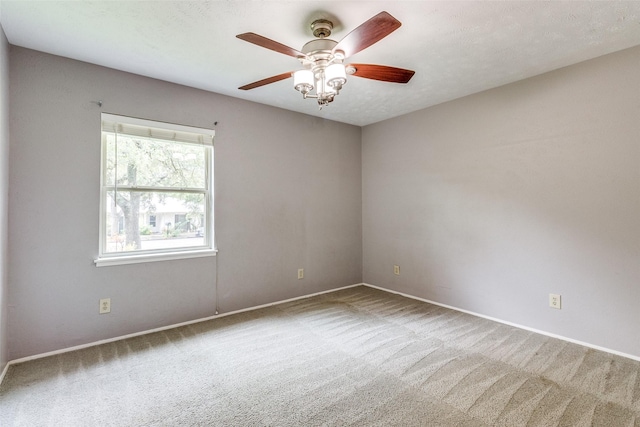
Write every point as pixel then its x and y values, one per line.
pixel 156 130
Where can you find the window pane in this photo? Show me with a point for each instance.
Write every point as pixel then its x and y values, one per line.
pixel 149 221
pixel 138 161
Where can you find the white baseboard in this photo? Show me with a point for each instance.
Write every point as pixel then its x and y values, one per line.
pixel 191 322
pixel 515 325
pixel 163 328
pixel 4 372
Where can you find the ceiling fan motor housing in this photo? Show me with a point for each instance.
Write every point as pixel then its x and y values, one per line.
pixel 318 52
pixel 319 47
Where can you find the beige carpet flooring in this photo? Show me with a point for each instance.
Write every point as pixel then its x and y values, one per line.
pixel 358 357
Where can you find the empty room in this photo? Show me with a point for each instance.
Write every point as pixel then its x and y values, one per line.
pixel 319 213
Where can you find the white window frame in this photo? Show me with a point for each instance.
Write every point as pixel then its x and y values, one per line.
pixel 134 257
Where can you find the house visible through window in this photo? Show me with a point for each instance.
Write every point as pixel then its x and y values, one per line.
pixel 156 191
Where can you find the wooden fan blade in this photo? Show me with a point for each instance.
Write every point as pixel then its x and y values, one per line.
pixel 270 44
pixel 267 81
pixel 382 72
pixel 368 33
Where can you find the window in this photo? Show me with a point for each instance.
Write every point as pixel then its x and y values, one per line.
pixel 156 191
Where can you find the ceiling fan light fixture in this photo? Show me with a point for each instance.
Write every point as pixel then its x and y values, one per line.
pixel 303 81
pixel 326 80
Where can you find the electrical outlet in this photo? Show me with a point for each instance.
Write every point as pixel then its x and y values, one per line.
pixel 555 301
pixel 301 273
pixel 396 270
pixel 105 305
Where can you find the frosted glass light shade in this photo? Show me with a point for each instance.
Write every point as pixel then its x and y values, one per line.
pixel 335 75
pixel 303 80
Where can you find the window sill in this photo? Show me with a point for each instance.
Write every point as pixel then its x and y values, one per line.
pixel 168 256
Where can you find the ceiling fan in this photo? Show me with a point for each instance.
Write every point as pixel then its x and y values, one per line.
pixel 323 58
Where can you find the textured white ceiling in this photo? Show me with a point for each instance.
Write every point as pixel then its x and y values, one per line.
pixel 456 48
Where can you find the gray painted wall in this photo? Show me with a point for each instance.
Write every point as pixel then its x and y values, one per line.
pixel 488 203
pixel 4 191
pixel 491 202
pixel 288 196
